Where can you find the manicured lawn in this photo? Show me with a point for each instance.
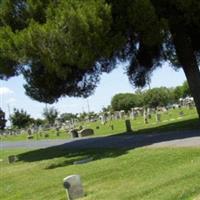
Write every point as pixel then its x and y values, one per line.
pixel 23 136
pixel 139 174
pixel 170 121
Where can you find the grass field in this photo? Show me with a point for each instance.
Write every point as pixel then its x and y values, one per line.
pixel 170 121
pixel 140 174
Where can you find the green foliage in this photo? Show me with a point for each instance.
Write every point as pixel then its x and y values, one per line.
pixel 39 122
pixel 50 115
pixel 182 91
pixel 125 101
pixel 158 97
pixel 2 119
pixel 62 47
pixel 140 173
pixel 20 119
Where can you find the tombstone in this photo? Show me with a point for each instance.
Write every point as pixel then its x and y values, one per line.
pixel 73 187
pixel 117 115
pixel 132 114
pixel 29 131
pixel 12 159
pixel 121 114
pixel 112 127
pixel 190 106
pixel 83 161
pixel 103 119
pixel 145 117
pixel 86 132
pixel 158 117
pixel 74 133
pixel 148 113
pixel 128 125
pixel 57 131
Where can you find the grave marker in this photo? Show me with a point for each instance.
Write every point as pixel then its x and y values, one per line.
pixel 73 187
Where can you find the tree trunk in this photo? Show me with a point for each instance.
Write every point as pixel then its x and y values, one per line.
pixel 188 61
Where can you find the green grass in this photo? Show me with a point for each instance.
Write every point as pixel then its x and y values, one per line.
pixel 170 121
pixel 140 174
pixel 23 136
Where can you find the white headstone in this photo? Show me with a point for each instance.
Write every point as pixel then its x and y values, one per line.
pixel 73 187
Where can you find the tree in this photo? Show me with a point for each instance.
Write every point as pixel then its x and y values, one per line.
pixel 20 119
pixel 125 101
pixel 50 115
pixel 186 89
pixel 158 97
pixel 39 122
pixel 62 47
pixel 182 91
pixel 2 120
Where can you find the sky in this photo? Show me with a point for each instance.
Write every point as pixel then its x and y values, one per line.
pixel 12 93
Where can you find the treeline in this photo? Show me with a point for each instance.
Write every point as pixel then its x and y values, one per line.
pixel 152 98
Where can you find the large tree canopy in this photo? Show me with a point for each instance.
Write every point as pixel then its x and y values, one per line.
pixel 63 46
pixel 126 101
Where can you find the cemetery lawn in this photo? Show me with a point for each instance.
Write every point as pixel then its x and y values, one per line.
pixel 143 173
pixel 170 121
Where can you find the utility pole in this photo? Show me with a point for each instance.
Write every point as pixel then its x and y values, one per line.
pixel 9 110
pixel 88 106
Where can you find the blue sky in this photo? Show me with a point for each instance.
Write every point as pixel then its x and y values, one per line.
pixel 12 93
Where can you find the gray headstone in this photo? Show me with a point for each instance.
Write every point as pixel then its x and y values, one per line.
pixel 12 159
pixel 83 161
pixel 86 132
pixel 128 125
pixel 73 187
pixel 74 133
pixel 158 117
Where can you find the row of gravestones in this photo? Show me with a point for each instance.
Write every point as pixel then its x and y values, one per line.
pixel 147 115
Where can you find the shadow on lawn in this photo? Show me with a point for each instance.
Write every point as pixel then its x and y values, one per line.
pixel 111 146
pixel 70 155
pixel 192 124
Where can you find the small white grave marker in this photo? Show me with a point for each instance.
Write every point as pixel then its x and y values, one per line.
pixel 73 187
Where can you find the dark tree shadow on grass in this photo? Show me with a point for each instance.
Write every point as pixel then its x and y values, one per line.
pixel 70 156
pixel 110 146
pixel 192 124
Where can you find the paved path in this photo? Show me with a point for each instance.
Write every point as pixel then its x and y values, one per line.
pixel 172 139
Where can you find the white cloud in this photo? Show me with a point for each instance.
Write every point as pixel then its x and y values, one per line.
pixel 5 91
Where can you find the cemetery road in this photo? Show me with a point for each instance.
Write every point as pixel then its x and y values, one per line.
pixel 126 141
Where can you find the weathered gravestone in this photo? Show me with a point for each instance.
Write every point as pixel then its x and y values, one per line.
pixel 86 132
pixel 158 117
pixel 12 159
pixel 145 117
pixel 128 125
pixel 112 127
pixel 83 161
pixel 73 187
pixel 74 133
pixel 57 131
